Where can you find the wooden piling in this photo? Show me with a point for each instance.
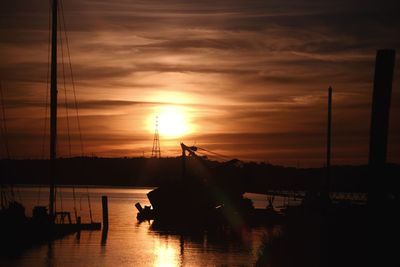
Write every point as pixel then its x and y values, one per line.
pixel 104 201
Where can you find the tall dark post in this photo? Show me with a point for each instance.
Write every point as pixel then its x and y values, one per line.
pixel 328 141
pixel 183 161
pixel 384 67
pixel 104 202
pixel 53 107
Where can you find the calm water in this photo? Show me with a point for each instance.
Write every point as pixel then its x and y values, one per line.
pixel 129 243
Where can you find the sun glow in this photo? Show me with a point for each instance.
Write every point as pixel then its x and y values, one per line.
pixel 172 122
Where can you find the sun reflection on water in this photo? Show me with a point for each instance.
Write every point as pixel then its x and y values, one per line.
pixel 166 253
pixel 129 243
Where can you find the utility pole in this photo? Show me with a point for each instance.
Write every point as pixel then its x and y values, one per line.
pixel 156 150
pixel 328 145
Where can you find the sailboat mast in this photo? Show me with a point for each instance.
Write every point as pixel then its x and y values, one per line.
pixel 53 107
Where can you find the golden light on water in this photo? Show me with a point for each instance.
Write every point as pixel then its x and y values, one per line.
pixel 166 254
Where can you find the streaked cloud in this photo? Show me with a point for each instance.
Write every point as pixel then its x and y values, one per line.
pixel 252 76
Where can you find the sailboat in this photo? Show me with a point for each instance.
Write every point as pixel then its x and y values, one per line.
pixel 52 213
pixel 45 224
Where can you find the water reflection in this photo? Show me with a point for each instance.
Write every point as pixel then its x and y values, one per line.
pixel 216 246
pixel 166 253
pixel 129 243
pixel 104 234
pixel 50 254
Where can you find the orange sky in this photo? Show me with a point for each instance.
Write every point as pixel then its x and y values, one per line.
pixel 250 77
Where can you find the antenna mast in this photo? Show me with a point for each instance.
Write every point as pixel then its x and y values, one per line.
pixel 156 152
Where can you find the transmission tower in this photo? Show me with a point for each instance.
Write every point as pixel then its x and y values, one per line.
pixel 156 152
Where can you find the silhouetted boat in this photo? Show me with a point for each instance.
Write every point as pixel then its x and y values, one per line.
pixel 195 201
pixel 17 230
pixel 60 221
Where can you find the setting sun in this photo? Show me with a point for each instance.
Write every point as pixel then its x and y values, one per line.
pixel 199 133
pixel 172 122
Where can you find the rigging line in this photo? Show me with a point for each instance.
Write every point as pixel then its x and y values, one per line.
pixel 4 124
pixel 65 93
pixel 75 98
pixel 47 84
pixel 217 154
pixel 5 137
pixel 72 79
pixel 58 149
pixel 75 210
pixel 90 206
pixel 47 94
pixel 212 157
pixel 66 108
pixel 76 105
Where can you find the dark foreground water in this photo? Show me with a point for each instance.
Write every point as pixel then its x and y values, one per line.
pixel 129 243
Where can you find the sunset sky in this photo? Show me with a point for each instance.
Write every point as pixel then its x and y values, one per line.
pixel 247 79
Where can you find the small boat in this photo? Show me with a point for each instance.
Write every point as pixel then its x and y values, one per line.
pixel 146 213
pixel 195 201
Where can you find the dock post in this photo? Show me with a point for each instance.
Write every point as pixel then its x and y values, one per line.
pixel 105 211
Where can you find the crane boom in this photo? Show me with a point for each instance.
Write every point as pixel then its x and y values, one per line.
pixel 191 150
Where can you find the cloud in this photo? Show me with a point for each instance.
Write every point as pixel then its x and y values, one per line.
pixel 256 69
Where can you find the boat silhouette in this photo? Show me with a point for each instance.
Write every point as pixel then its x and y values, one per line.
pixel 46 223
pixel 197 201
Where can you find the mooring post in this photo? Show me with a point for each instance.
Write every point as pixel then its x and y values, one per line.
pixel 105 211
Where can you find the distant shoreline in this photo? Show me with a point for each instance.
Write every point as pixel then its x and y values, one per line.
pixel 152 172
